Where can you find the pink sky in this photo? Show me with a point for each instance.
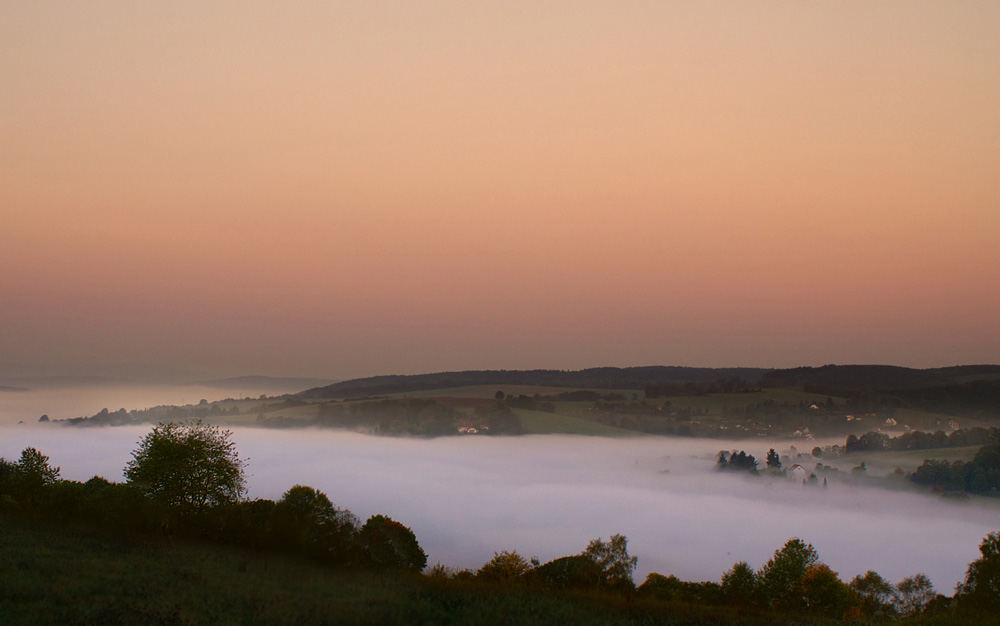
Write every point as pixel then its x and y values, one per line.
pixel 357 188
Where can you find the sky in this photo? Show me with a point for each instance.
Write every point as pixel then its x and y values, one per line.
pixel 345 189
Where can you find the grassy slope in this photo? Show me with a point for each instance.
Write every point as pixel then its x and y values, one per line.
pixel 62 576
pixel 540 422
pixel 580 418
pixel 908 460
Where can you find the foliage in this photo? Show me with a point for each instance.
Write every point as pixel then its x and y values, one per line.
pixel 672 589
pixel 504 567
pixel 614 563
pixel 913 594
pixel 569 572
pixel 737 461
pixel 27 480
pixel 34 471
pixel 980 476
pixel 308 521
pixel 875 595
pixel 823 592
pixel 391 544
pixel 773 459
pixel 190 465
pixel 739 584
pixel 780 580
pixel 981 589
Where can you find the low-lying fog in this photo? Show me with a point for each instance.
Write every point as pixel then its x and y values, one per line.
pixel 86 400
pixel 547 496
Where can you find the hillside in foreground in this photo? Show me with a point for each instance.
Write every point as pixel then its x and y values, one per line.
pixel 57 575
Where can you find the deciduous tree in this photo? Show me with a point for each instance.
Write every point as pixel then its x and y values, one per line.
pixel 981 588
pixel 391 544
pixel 612 558
pixel 780 580
pixel 189 465
pixel 913 594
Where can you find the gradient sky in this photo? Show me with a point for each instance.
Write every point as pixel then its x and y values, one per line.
pixel 354 188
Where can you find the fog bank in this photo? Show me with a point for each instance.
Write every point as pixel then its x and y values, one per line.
pixel 86 400
pixel 547 496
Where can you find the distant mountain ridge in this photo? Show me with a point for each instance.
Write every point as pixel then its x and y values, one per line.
pixel 838 379
pixel 277 383
pixel 592 378
pixel 828 379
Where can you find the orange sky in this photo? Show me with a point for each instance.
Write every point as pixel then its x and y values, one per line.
pixel 356 188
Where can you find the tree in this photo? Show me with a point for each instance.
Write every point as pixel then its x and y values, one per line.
pixel 190 465
pixel 823 592
pixel 875 593
pixel 307 519
pixel 391 544
pixel 504 567
pixel 577 572
pixel 981 588
pixel 773 459
pixel 780 580
pixel 616 566
pixel 33 470
pixel 739 584
pixel 913 594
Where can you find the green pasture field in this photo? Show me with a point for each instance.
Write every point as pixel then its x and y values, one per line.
pixel 907 460
pixel 715 403
pixel 543 423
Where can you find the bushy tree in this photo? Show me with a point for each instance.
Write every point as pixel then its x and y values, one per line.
pixel 773 459
pixel 672 589
pixel 875 594
pixel 504 567
pixel 612 558
pixel 306 519
pixel 33 470
pixel 739 584
pixel 190 465
pixel 913 594
pixel 981 588
pixel 823 592
pixel 579 571
pixel 780 580
pixel 24 481
pixel 392 545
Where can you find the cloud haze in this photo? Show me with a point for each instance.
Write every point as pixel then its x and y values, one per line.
pixel 548 496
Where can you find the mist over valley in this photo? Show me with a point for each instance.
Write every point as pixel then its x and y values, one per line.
pixel 547 495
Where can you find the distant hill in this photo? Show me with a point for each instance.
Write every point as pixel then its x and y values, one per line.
pixel 271 383
pixel 964 390
pixel 12 389
pixel 593 378
pixel 841 379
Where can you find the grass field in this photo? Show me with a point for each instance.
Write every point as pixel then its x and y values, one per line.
pixel 541 423
pixel 58 575
pixel 885 462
